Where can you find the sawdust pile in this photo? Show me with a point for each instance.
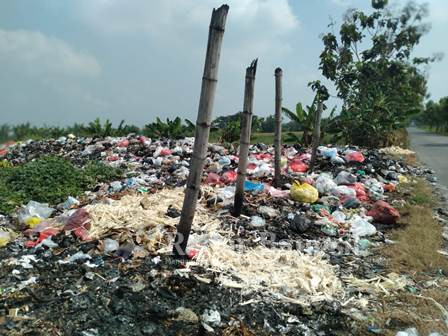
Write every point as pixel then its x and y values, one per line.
pixel 396 150
pixel 286 274
pixel 144 212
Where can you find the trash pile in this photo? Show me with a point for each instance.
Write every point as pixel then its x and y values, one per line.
pixel 299 260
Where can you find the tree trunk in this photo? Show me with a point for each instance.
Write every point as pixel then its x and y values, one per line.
pixel 209 81
pixel 278 126
pixel 316 135
pixel 246 124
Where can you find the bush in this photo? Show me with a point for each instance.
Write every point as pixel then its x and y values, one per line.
pixel 50 180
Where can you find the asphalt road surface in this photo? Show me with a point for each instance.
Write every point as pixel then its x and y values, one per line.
pixel 432 150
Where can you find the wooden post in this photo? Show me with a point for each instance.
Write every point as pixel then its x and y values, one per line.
pixel 209 81
pixel 246 125
pixel 316 134
pixel 278 126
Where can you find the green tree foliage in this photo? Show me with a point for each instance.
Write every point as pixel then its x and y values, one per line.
pixel 371 65
pixel 174 129
pixel 305 118
pixel 435 115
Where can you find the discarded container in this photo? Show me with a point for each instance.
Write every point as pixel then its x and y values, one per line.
pixel 304 193
pixel 383 212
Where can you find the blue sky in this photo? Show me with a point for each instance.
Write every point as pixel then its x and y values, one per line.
pixel 75 60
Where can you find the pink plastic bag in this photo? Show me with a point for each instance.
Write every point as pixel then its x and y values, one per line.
pixel 354 156
pixel 298 166
pixel 229 177
pixel 212 179
pixel 361 193
pixel 123 143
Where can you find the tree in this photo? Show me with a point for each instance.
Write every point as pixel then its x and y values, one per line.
pixel 370 63
pixel 170 129
pixel 305 118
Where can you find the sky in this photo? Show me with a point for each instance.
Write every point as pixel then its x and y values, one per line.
pixel 74 60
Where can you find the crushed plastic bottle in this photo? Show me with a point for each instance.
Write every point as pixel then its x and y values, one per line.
pixel 257 222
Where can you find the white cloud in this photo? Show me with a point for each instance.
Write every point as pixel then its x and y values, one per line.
pixel 39 54
pixel 157 16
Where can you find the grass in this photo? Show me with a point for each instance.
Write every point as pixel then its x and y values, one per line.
pixel 50 180
pixel 415 253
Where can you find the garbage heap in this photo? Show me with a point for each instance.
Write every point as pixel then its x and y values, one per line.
pixel 300 260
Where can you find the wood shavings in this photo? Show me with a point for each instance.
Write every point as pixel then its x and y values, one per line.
pixel 145 213
pixel 396 150
pixel 378 285
pixel 286 274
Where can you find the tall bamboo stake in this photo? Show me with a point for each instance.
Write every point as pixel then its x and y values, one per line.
pixel 246 125
pixel 209 81
pixel 316 134
pixel 278 126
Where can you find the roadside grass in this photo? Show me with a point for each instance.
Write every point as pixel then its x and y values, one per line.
pixel 415 253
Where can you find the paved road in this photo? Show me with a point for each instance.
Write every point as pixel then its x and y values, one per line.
pixel 432 150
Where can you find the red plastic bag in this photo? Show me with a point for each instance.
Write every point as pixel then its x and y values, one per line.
pixel 354 156
pixel 3 152
pixel 383 212
pixel 264 156
pixel 165 152
pixel 298 166
pixel 229 177
pixel 212 179
pixel 361 193
pixel 44 234
pixel 123 143
pixel 389 187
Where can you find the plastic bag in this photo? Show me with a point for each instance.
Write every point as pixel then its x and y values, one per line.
pixel 361 193
pixel 324 184
pixel 343 192
pixel 229 177
pixel 337 160
pixel 327 152
pixel 212 179
pixel 354 156
pixel 34 212
pixel 374 189
pixel 304 193
pixel 254 187
pixel 360 227
pixel 383 212
pixel 5 238
pixel 278 193
pixel 345 178
pixel 224 161
pixel 298 166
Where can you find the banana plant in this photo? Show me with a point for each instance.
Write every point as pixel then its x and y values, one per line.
pixel 305 118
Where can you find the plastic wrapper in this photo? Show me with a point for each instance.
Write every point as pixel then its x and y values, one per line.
pixel 324 184
pixel 304 192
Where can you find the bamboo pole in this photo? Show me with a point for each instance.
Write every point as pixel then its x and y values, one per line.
pixel 208 89
pixel 278 127
pixel 246 125
pixel 316 134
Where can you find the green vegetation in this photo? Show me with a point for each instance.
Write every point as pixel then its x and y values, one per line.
pixel 305 117
pixel 173 129
pixel 49 179
pixel 435 116
pixel 370 63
